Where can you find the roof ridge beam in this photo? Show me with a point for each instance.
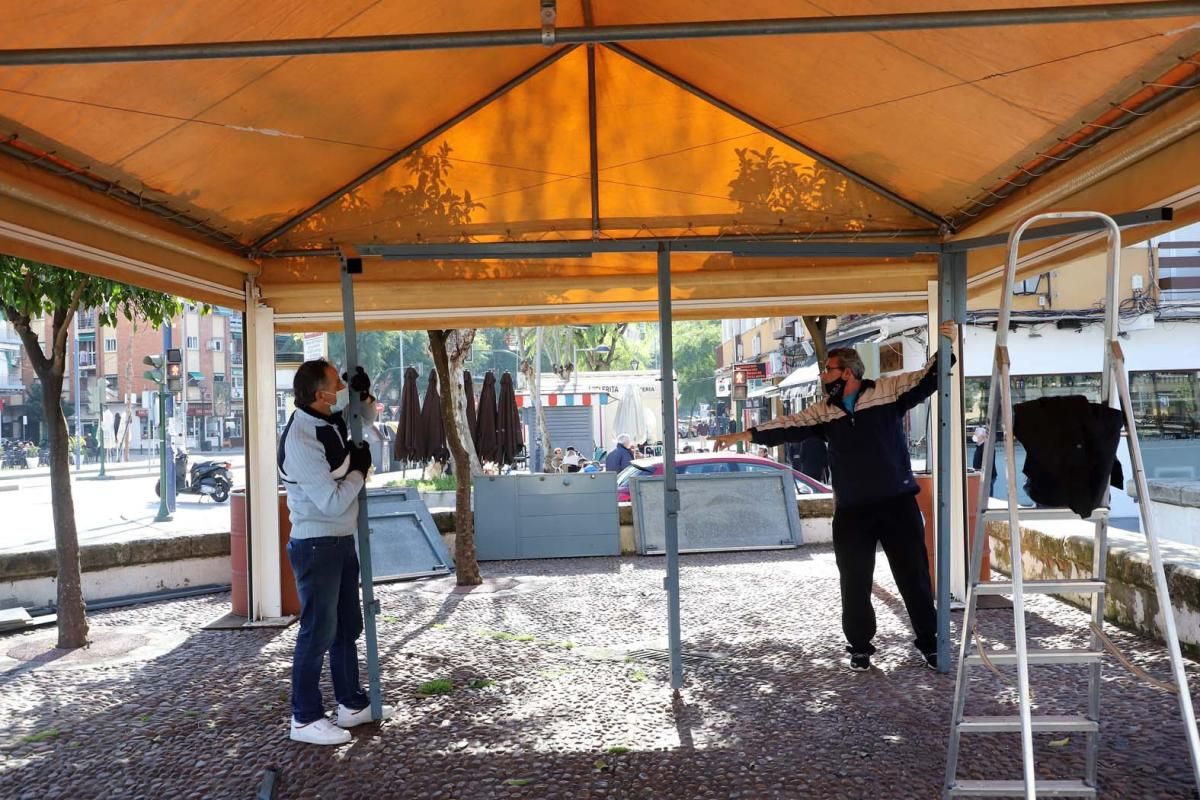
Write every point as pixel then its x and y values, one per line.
pixel 408 149
pixel 779 135
pixel 522 37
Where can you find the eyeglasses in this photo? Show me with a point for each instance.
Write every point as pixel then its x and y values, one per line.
pixel 831 368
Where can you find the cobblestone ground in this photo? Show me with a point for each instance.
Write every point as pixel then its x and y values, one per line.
pixel 162 709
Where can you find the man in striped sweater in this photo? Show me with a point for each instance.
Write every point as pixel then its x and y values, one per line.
pixel 323 473
pixel 873 488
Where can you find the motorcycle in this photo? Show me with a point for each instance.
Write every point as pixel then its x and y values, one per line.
pixel 211 478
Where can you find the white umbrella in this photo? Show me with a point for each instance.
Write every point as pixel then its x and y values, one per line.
pixel 630 416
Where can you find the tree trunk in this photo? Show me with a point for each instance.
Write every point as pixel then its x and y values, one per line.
pixel 539 415
pixel 465 561
pixel 72 618
pixel 816 327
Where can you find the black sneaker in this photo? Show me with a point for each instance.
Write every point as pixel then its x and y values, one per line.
pixel 860 662
pixel 930 659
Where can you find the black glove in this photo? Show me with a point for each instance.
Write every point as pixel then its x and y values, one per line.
pixel 360 457
pixel 361 382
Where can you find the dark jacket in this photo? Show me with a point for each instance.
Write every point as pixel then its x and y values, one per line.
pixel 617 459
pixel 868 452
pixel 1070 451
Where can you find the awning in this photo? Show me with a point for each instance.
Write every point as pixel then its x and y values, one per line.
pixel 190 176
pixel 566 399
pixel 196 376
pixel 801 375
pixel 768 390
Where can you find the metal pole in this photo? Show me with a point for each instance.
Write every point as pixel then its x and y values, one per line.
pixel 164 475
pixel 183 400
pixel 951 271
pixel 78 423
pixel 671 504
pixel 532 37
pixel 169 409
pixel 367 575
pixel 539 445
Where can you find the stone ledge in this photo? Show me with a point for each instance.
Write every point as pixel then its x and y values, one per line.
pixel 1176 492
pixel 1063 550
pixel 96 557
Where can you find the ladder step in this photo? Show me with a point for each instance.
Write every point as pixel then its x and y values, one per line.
pixel 1035 514
pixel 1042 587
pixel 1041 724
pixel 1041 657
pixel 1017 789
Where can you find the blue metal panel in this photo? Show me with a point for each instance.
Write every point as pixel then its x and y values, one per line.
pixel 405 542
pixel 720 511
pixel 546 516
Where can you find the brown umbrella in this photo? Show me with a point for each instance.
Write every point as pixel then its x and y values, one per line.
pixel 433 430
pixel 469 389
pixel 408 428
pixel 487 445
pixel 509 429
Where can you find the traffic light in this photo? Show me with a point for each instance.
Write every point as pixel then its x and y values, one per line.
pixel 174 370
pixel 174 378
pixel 155 375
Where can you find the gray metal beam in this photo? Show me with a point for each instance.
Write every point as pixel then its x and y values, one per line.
pixel 779 135
pixel 671 503
pixel 593 147
pixel 1148 216
pixel 531 37
pixel 887 249
pixel 366 574
pixel 408 149
pixel 952 282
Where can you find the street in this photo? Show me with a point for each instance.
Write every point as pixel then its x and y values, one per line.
pixel 120 509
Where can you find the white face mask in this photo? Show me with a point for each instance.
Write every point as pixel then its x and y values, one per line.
pixel 341 398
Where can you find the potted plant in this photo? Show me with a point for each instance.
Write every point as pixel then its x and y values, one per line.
pixel 31 455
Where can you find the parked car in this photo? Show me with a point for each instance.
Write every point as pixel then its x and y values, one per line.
pixel 701 463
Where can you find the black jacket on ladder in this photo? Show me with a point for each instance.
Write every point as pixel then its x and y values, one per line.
pixel 1070 451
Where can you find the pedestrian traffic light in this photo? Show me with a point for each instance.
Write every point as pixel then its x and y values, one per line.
pixel 155 375
pixel 174 377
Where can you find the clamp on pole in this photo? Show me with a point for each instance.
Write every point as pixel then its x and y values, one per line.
pixel 549 18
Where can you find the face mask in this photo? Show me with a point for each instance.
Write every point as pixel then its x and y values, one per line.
pixel 341 399
pixel 835 388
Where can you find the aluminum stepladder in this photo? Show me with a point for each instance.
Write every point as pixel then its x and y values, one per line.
pixel 1114 387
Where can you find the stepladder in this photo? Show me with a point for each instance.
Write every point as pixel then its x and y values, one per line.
pixel 1018 656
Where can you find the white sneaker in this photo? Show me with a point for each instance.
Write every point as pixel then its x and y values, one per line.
pixel 348 718
pixel 320 731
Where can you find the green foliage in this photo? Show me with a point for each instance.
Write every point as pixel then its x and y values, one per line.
pixel 694 346
pixel 435 687
pixel 47 735
pixel 519 781
pixel 617 751
pixel 442 483
pixel 480 683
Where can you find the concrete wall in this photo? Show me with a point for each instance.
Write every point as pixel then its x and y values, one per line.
pixel 1176 507
pixel 1064 549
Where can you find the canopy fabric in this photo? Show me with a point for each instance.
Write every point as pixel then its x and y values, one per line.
pixel 191 176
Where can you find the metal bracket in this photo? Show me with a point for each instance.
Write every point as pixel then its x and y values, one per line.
pixel 375 608
pixel 671 501
pixel 549 18
pixel 667 581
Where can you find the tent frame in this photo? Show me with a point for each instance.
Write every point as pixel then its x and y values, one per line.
pixel 951 306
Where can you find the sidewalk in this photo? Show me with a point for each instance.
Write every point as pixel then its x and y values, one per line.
pixel 572 699
pixel 146 462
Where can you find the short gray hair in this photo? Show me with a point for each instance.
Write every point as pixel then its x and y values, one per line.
pixel 849 358
pixel 625 439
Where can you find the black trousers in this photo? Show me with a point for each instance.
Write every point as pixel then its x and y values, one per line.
pixel 896 524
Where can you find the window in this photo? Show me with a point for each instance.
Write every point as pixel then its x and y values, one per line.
pixel 193 343
pixel 218 378
pixel 704 467
pixel 1030 387
pixel 757 348
pixel 110 344
pixel 216 345
pixel 1166 405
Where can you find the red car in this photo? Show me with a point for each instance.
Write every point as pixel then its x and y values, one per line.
pixel 700 463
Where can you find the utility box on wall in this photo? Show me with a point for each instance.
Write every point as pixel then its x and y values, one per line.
pixel 546 516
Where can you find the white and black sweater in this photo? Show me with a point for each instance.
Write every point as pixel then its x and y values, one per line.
pixel 314 464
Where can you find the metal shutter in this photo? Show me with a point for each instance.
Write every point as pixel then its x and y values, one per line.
pixel 569 426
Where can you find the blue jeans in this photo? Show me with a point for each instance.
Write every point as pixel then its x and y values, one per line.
pixel 326 570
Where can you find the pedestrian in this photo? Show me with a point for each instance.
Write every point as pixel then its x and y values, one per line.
pixel 873 489
pixel 323 472
pixel 621 455
pixel 980 438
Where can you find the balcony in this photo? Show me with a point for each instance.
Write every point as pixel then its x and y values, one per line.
pixel 87 320
pixel 87 359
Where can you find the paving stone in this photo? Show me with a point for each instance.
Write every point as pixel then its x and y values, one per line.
pixel 774 714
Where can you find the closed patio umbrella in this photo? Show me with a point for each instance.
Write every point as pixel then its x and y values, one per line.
pixel 469 389
pixel 486 443
pixel 433 430
pixel 408 427
pixel 509 430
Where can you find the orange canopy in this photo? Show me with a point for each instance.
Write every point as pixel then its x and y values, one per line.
pixel 191 175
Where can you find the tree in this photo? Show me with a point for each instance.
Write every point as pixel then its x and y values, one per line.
pixel 694 354
pixel 29 291
pixel 531 347
pixel 450 349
